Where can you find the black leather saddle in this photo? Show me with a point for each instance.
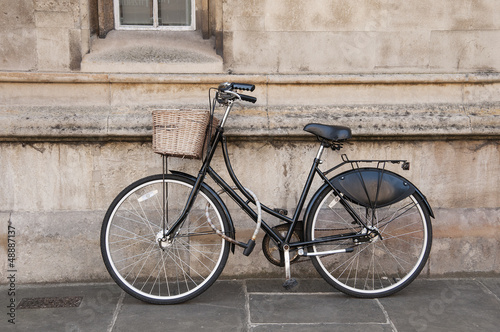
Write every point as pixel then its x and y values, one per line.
pixel 331 133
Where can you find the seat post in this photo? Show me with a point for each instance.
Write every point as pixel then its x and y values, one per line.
pixel 320 151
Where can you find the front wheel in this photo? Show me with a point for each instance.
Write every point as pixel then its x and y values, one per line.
pixel 146 266
pixel 379 265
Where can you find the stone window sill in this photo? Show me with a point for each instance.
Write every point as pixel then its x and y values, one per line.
pixel 153 52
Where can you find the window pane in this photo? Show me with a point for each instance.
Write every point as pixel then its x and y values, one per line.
pixel 174 12
pixel 136 12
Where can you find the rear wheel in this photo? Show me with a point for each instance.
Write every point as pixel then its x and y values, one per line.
pixel 388 256
pixel 154 270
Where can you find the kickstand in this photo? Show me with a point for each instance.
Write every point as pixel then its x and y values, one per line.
pixel 289 282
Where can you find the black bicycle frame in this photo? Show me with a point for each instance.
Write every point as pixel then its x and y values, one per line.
pixel 244 205
pixel 300 205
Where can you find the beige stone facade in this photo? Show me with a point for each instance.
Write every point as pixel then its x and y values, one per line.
pixel 414 80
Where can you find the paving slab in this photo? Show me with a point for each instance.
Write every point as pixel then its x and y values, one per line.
pixel 312 305
pixel 220 308
pixel 492 285
pixel 444 305
pixel 93 314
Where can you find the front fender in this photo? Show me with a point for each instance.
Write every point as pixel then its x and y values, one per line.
pixel 231 230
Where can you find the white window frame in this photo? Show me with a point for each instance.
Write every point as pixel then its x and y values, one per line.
pixel 155 26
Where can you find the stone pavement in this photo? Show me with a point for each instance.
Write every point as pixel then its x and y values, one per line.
pixel 263 305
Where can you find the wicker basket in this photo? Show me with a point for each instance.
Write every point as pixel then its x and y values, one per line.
pixel 180 133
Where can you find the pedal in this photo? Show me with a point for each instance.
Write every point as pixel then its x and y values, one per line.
pixel 290 284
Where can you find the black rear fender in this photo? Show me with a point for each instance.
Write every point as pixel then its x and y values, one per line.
pixel 370 187
pixel 373 187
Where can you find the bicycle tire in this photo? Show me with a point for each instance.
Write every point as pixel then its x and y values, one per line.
pixel 132 226
pixel 381 266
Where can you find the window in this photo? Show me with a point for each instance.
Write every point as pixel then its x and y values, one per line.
pixel 154 14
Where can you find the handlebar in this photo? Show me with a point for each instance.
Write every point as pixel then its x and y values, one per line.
pixel 226 92
pixel 235 86
pixel 250 99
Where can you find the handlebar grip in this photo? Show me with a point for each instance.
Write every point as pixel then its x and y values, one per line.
pixel 248 98
pixel 243 86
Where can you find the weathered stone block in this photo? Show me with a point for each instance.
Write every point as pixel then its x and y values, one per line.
pixel 156 94
pixel 406 51
pixel 53 49
pixel 57 247
pixel 325 15
pixel 235 8
pixel 365 94
pixel 17 47
pixel 75 48
pixel 442 15
pixel 461 51
pixel 245 23
pixel 56 5
pixel 18 37
pixel 54 94
pixel 51 19
pixel 17 13
pixel 464 257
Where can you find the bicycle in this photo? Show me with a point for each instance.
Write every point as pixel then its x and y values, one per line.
pixel 166 238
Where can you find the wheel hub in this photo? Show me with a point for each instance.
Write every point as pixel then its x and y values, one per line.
pixel 369 235
pixel 162 241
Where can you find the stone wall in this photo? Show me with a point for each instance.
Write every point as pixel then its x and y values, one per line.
pixel 342 36
pixel 45 35
pixel 277 36
pixel 413 80
pixel 64 159
pixel 56 194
